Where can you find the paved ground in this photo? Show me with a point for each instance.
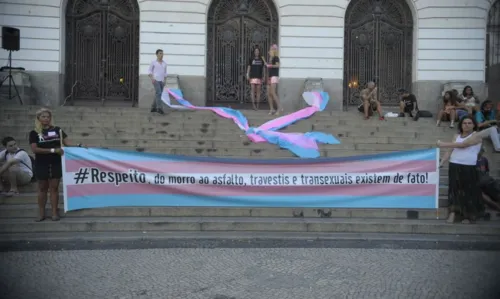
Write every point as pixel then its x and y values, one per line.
pixel 314 273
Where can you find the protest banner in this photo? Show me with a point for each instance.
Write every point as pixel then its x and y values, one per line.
pixel 95 178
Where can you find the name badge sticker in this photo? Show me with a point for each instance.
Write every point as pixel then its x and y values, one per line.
pixel 51 134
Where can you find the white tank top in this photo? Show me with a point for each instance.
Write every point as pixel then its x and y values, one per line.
pixel 466 155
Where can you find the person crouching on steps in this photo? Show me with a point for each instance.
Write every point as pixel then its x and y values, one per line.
pixel 45 141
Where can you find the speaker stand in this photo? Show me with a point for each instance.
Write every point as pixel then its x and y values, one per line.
pixel 11 82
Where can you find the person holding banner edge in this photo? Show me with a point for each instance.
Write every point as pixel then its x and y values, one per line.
pixel 46 142
pixel 464 193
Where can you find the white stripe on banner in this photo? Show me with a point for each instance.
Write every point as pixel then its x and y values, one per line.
pixel 95 176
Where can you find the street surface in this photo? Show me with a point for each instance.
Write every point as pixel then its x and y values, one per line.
pixel 274 273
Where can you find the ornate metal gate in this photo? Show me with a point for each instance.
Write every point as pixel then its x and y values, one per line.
pixel 234 28
pixel 102 50
pixel 377 47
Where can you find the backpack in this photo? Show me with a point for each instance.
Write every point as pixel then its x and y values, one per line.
pixel 33 178
pixel 424 114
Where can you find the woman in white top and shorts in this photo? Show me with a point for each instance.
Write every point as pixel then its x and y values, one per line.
pixel 464 194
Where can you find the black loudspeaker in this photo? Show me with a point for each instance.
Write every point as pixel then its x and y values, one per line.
pixel 10 38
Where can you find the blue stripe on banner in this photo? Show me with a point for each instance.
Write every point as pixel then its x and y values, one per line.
pixel 166 200
pixel 94 154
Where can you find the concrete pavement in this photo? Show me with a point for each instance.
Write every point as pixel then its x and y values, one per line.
pixel 314 273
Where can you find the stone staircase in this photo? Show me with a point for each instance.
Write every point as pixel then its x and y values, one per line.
pixel 205 134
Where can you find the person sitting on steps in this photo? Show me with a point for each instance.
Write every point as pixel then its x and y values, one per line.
pixel 470 101
pixel 16 167
pixel 487 120
pixel 461 109
pixel 487 183
pixel 370 101
pixel 408 103
pixel 448 112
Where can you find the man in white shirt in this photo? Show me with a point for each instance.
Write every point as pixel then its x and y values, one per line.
pixel 16 168
pixel 158 73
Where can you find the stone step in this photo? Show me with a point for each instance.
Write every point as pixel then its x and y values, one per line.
pixel 228 128
pixel 212 135
pixel 31 211
pixel 220 140
pixel 81 111
pixel 152 131
pixel 247 224
pixel 95 112
pixel 140 240
pixel 200 116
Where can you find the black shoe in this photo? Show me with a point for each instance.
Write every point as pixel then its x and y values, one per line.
pixel 416 117
pixel 153 109
pixel 401 115
pixel 160 111
pixel 411 114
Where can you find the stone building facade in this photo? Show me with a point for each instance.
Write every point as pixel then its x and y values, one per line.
pixel 99 51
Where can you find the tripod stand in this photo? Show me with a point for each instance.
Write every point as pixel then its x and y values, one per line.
pixel 11 81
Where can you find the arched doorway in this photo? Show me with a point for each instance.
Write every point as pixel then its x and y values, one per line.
pixel 377 47
pixel 102 51
pixel 493 52
pixel 234 27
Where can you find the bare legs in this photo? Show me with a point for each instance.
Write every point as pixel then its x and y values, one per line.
pixel 255 95
pixel 491 132
pixel 451 116
pixel 489 202
pixel 366 108
pixel 258 88
pixel 270 100
pixel 272 97
pixel 401 107
pixel 44 187
pixel 54 198
pixel 11 176
pixel 439 117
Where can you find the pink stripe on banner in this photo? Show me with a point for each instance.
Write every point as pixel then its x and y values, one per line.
pixel 207 167
pixel 220 191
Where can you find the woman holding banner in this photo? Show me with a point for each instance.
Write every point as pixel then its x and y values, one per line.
pixel 255 74
pixel 46 141
pixel 464 194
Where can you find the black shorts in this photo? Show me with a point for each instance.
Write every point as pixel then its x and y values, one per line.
pixel 408 108
pixel 48 170
pixel 361 108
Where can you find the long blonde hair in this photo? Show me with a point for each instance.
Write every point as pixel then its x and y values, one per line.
pixel 38 124
pixel 274 51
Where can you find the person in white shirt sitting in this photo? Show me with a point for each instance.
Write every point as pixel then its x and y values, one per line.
pixel 469 100
pixel 16 167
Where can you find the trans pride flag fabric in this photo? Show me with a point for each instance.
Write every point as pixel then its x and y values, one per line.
pixel 304 145
pixel 96 178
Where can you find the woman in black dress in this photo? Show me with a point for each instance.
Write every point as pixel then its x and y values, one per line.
pixel 464 193
pixel 45 142
pixel 255 74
